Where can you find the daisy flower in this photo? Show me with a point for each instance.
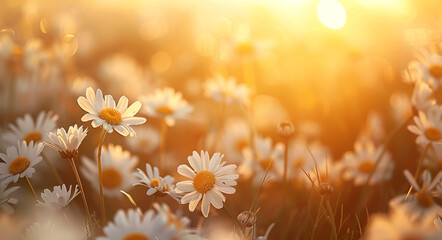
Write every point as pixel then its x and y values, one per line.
pixel 154 182
pixel 226 90
pixel 53 230
pixel 5 200
pixel 236 138
pixel 59 198
pixel 180 225
pixel 266 155
pixel 117 168
pixel 19 161
pixel 421 98
pixel 111 116
pixel 398 226
pixel 147 140
pixel 428 127
pixel 421 203
pixel 209 180
pixel 299 158
pixel 359 164
pixel 28 130
pixel 67 143
pixel 168 104
pixel 130 225
pixel 430 68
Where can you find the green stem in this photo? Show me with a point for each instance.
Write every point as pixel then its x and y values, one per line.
pixel 100 176
pixel 317 217
pixel 332 220
pixel 83 196
pixel 32 188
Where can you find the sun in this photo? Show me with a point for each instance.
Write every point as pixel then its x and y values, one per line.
pixel 331 14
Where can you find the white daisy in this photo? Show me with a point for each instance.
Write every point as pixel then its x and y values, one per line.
pixel 67 143
pixel 398 226
pixel 373 129
pixel 428 127
pixel 209 180
pixel 226 90
pixel 59 198
pixel 154 182
pixel 421 203
pixel 236 138
pixel 421 98
pixel 19 161
pixel 266 155
pixel 29 130
pixel 168 104
pixel 180 225
pixel 117 166
pixel 5 200
pixel 104 112
pixel 359 164
pixel 55 230
pixel 146 141
pixel 131 226
pixel 33 55
pixel 430 66
pixel 300 158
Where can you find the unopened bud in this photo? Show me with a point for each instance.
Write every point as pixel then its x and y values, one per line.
pixel 325 188
pixel 247 219
pixel 286 129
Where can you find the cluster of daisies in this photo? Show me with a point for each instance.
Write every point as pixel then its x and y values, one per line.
pixel 209 177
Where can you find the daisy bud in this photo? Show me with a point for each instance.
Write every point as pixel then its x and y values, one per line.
pixel 247 219
pixel 325 188
pixel 286 129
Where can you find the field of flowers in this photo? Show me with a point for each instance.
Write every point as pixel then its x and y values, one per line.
pixel 220 119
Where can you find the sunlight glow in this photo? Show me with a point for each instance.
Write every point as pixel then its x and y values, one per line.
pixel 331 14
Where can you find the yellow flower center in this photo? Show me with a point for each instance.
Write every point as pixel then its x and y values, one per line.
pixel 240 144
pixel 32 136
pixel 424 199
pixel 204 181
pixel 266 163
pixel 154 182
pixel 16 51
pixel 366 166
pixel 111 116
pixel 164 110
pixel 167 187
pixel 245 48
pixel 136 236
pixel 111 178
pixel 436 71
pixel 433 134
pixel 18 165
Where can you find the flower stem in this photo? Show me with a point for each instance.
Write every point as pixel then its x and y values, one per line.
pixel 100 177
pixel 83 195
pixel 317 217
pixel 32 188
pixel 421 160
pixel 286 147
pixel 419 166
pixel 332 219
pixel 163 145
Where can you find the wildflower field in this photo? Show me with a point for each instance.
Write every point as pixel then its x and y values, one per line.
pixel 220 119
